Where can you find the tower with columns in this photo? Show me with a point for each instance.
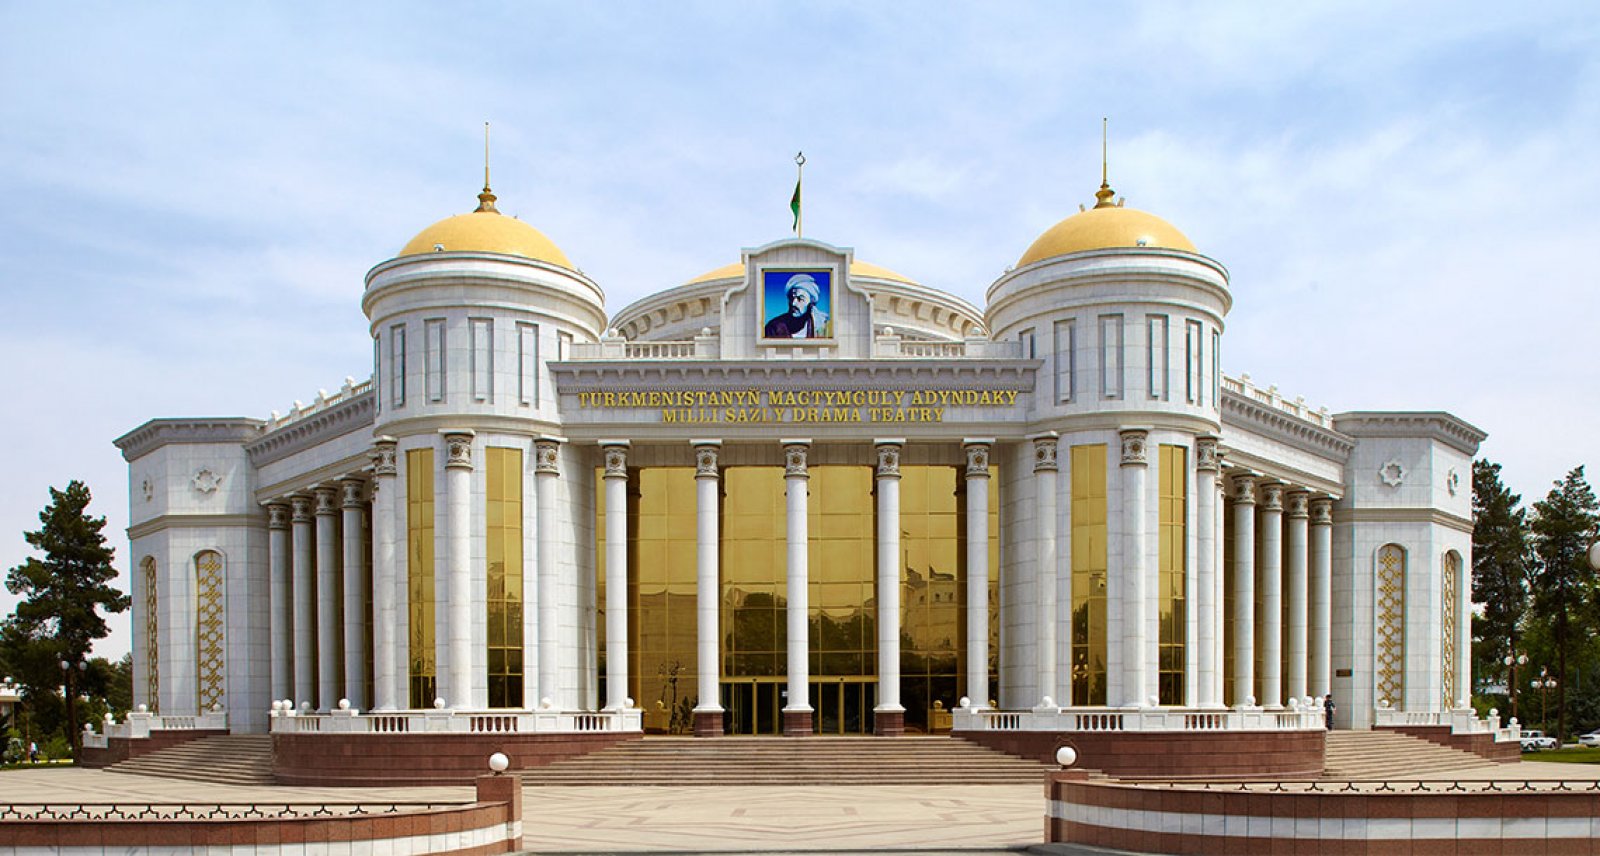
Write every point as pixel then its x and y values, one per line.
pixel 912 505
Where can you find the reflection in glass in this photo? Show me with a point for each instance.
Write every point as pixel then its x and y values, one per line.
pixel 1089 575
pixel 1172 600
pixel 504 603
pixel 419 577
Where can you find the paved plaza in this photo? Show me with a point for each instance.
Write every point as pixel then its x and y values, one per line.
pixel 970 819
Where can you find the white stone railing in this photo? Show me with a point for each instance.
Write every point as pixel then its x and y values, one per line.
pixel 139 724
pixel 1270 397
pixel 457 722
pixel 703 347
pixel 1139 720
pixel 323 401
pixel 889 345
pixel 1460 721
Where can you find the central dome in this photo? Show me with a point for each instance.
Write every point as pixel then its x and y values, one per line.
pixel 486 230
pixel 1106 226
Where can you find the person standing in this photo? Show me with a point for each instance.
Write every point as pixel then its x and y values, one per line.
pixel 1328 707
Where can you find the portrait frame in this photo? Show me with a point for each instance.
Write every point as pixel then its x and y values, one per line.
pixel 776 322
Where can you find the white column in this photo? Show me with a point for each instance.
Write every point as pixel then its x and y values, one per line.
pixel 1270 537
pixel 707 593
pixel 616 479
pixel 355 593
pixel 889 716
pixel 1244 589
pixel 280 619
pixel 547 475
pixel 1045 485
pixel 1221 563
pixel 305 666
pixel 977 452
pixel 1463 635
pixel 328 640
pixel 1295 549
pixel 797 713
pixel 1138 648
pixel 1321 635
pixel 458 567
pixel 388 638
pixel 1205 566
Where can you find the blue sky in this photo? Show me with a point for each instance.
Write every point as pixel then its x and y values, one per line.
pixel 190 195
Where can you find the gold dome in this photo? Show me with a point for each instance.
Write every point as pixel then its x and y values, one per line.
pixel 866 269
pixel 486 231
pixel 1106 226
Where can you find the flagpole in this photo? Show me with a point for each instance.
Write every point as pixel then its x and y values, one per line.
pixel 799 181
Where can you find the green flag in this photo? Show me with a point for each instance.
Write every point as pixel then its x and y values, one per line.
pixel 794 205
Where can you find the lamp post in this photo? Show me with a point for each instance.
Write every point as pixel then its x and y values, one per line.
pixel 1544 684
pixel 68 698
pixel 1513 660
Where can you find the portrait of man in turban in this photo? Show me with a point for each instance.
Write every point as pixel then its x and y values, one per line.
pixel 803 298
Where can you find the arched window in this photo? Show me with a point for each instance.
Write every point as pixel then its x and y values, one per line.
pixel 152 653
pixel 1391 625
pixel 210 650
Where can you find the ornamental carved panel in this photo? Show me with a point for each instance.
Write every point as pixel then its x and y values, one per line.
pixel 1297 504
pixel 1133 448
pixel 1447 631
pixel 1044 455
pixel 1272 497
pixel 353 493
pixel 277 516
pixel 977 460
pixel 705 462
pixel 325 504
pixel 383 458
pixel 546 457
pixel 210 646
pixel 1205 454
pixel 1391 624
pixel 1244 489
pixel 458 451
pixel 616 462
pixel 794 460
pixel 888 460
pixel 1322 512
pixel 152 623
pixel 302 509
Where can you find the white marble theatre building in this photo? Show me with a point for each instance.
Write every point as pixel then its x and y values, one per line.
pixel 843 519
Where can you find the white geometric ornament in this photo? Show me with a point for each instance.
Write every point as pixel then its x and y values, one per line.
pixel 1452 481
pixel 206 481
pixel 1392 473
pixel 147 489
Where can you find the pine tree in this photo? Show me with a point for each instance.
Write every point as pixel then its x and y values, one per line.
pixel 1500 565
pixel 1563 529
pixel 63 593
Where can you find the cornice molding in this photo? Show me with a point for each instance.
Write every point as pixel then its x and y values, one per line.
pixel 197 521
pixel 1243 412
pixel 156 433
pixel 1413 424
pixel 997 374
pixel 1402 515
pixel 314 430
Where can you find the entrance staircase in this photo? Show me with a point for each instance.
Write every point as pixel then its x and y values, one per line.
pixel 230 759
pixel 791 761
pixel 1391 755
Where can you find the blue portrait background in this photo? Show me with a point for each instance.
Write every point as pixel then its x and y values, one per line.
pixel 775 291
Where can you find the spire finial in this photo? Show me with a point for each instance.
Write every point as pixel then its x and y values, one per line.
pixel 1104 194
pixel 486 198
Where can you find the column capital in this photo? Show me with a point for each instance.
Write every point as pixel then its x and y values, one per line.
pixel 385 451
pixel 1134 443
pixel 1206 455
pixel 1321 511
pixel 302 508
pixel 546 456
pixel 977 452
pixel 616 458
pixel 1244 488
pixel 889 457
pixel 795 452
pixel 705 458
pixel 278 514
pixel 1272 496
pixel 1044 452
pixel 353 490
pixel 325 504
pixel 457 448
pixel 1296 503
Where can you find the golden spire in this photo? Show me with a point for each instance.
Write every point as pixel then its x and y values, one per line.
pixel 487 197
pixel 1104 194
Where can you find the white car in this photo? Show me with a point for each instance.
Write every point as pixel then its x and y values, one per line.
pixel 1534 741
pixel 1592 739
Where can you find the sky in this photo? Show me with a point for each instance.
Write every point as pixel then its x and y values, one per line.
pixel 1406 196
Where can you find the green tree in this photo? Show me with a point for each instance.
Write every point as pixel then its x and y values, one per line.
pixel 58 618
pixel 1500 565
pixel 1563 528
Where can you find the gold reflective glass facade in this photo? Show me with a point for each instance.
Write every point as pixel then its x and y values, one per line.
pixel 1089 574
pixel 503 519
pixel 1171 574
pixel 208 630
pixel 421 669
pixel 664 670
pixel 842 600
pixel 753 649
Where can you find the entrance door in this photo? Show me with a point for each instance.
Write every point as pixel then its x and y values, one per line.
pixel 843 705
pixel 753 706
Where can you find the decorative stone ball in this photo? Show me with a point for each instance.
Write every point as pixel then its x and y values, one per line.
pixel 1383 703
pixel 1047 702
pixel 110 720
pixel 545 703
pixel 216 708
pixel 344 704
pixel 305 707
pixel 498 762
pixel 887 330
pixel 277 706
pixel 1494 711
pixel 1294 704
pixel 438 704
pixel 966 702
pixel 705 331
pixel 1249 701
pixel 1308 702
pixel 144 708
pixel 1066 756
pixel 1153 701
pixel 88 728
pixel 627 703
